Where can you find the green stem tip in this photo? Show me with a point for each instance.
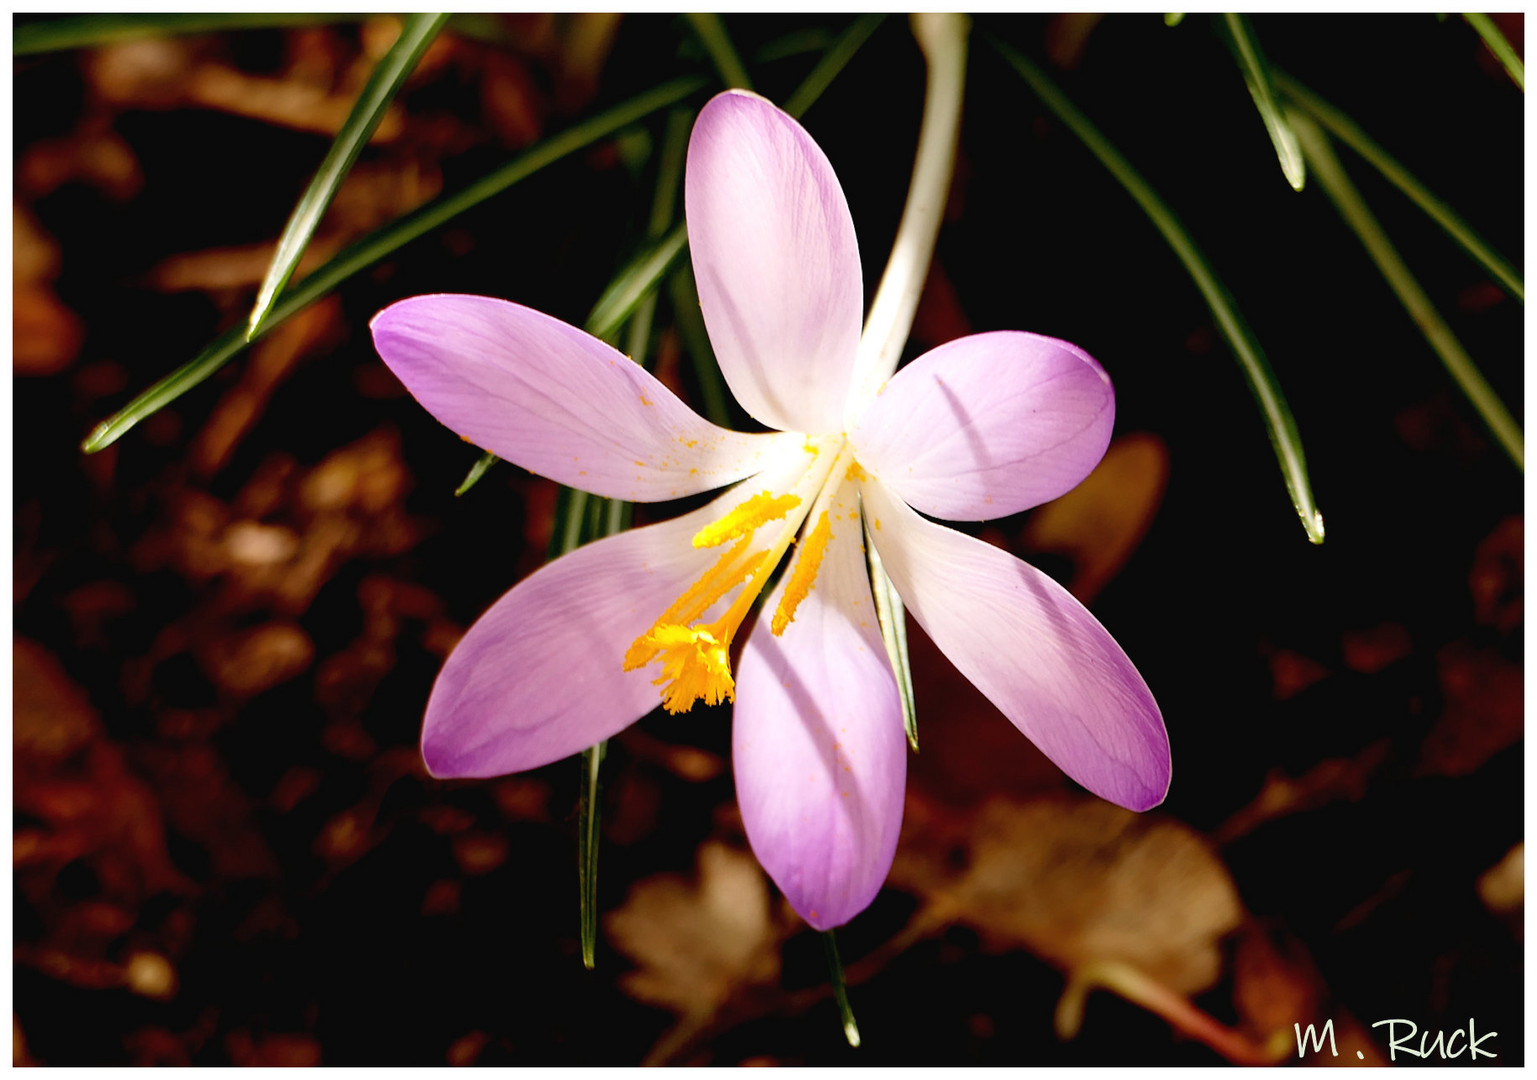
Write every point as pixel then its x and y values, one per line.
pixel 840 989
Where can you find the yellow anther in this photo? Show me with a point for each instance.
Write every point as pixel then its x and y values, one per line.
pixel 745 518
pixel 804 574
pixel 730 570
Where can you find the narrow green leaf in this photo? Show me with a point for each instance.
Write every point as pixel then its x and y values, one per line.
pixel 811 39
pixel 1350 133
pixel 832 63
pixel 634 281
pixel 1279 422
pixel 477 470
pixel 1347 200
pixel 381 243
pixel 1256 74
pixel 388 75
pixel 712 35
pixel 684 294
pixel 840 989
pixel 1173 18
pixel 588 810
pixel 633 292
pixel 1502 49
pixel 892 616
pixel 87 31
pixel 664 203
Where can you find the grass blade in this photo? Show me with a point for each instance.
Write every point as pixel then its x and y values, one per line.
pixel 1256 74
pixel 634 282
pixel 1279 423
pixel 417 32
pixel 1499 46
pixel 87 31
pixel 634 292
pixel 1173 18
pixel 840 988
pixel 588 810
pixel 1350 133
pixel 892 616
pixel 832 63
pixel 684 294
pixel 381 243
pixel 712 35
pixel 477 470
pixel 1458 363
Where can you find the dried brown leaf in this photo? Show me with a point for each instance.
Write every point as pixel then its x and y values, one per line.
pixel 696 943
pixel 1101 521
pixel 1484 696
pixel 1078 881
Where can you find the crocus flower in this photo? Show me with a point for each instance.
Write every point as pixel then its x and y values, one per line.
pixel 981 427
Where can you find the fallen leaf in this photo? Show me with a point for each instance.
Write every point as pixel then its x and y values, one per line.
pixel 1101 521
pixel 1076 880
pixel 1502 887
pixel 1497 579
pixel 1483 711
pixel 696 943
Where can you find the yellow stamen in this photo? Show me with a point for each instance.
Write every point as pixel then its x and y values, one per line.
pixel 745 518
pixel 804 574
pixel 696 660
pixel 695 665
pixel 729 571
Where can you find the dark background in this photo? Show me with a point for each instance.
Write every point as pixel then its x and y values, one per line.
pixel 227 624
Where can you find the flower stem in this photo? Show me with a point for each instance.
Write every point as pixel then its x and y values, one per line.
pixel 943 41
pixel 840 989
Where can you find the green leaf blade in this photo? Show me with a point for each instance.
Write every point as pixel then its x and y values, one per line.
pixel 1343 128
pixel 1499 46
pixel 382 243
pixel 417 32
pixel 1280 425
pixel 891 614
pixel 90 31
pixel 1352 207
pixel 711 32
pixel 1256 75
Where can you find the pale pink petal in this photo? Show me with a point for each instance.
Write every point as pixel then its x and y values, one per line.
pixel 776 262
pixel 988 425
pixel 817 739
pixel 1036 652
pixel 557 401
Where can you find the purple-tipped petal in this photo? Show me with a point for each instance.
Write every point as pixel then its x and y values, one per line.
pixel 988 425
pixel 776 262
pixel 539 676
pixel 1036 652
pixel 817 739
pixel 557 401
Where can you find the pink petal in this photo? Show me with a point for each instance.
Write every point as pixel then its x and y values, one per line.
pixel 539 676
pixel 988 425
pixel 1036 652
pixel 557 401
pixel 817 739
pixel 776 262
